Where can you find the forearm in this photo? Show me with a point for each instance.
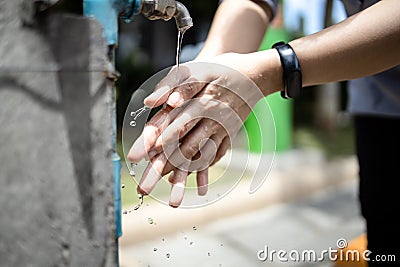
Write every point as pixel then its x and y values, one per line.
pixel 238 26
pixel 364 44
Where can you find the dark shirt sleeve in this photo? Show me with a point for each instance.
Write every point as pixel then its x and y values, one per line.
pixel 273 4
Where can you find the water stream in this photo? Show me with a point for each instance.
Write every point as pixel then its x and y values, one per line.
pixel 178 52
pixel 136 114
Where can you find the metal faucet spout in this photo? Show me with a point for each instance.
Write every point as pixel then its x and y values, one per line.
pixel 154 10
pixel 182 17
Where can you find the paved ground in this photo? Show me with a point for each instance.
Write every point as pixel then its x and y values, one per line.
pixel 285 214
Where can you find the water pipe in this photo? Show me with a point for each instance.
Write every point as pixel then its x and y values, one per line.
pixel 107 12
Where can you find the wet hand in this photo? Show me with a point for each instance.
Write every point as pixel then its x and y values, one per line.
pixel 198 132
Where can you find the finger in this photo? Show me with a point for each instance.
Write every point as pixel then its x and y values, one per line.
pixel 152 174
pixel 202 182
pixel 165 87
pixel 207 152
pixel 141 148
pixel 185 91
pixel 178 181
pixel 137 151
pixel 190 145
pixel 183 123
pixel 178 187
pixel 225 145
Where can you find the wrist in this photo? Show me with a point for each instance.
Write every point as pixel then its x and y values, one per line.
pixel 268 71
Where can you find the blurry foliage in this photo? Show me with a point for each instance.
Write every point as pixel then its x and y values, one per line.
pixel 337 144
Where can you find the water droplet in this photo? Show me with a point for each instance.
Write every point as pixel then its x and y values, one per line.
pixel 220 265
pixel 123 186
pixel 209 254
pixel 184 235
pixel 125 212
pixel 162 239
pixel 221 245
pixel 132 173
pixel 168 255
pixel 150 220
pixel 132 123
pixel 154 249
pixel 133 114
pixel 192 244
pixel 194 228
pixel 140 196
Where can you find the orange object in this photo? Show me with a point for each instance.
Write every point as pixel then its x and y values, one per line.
pixel 357 244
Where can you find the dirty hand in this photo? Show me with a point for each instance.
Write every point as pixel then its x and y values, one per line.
pixel 195 128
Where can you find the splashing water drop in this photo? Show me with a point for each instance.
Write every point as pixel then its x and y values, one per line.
pixel 136 114
pixel 192 244
pixel 154 249
pixel 140 202
pixel 194 228
pixel 123 186
pixel 150 220
pixel 168 255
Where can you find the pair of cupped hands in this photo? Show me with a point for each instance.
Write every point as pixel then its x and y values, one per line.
pixel 204 105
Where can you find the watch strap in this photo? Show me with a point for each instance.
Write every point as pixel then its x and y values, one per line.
pixel 292 78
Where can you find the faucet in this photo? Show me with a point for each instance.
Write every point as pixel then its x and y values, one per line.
pixel 157 9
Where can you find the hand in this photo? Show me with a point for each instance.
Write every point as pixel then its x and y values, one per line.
pixel 197 133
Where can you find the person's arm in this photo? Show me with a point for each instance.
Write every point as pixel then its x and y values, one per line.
pixel 235 21
pixel 364 44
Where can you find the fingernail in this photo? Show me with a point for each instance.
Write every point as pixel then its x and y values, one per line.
pixel 202 190
pixel 156 95
pixel 150 181
pixel 137 151
pixel 177 193
pixel 175 99
pixel 149 137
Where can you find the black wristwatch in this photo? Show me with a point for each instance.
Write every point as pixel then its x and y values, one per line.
pixel 292 80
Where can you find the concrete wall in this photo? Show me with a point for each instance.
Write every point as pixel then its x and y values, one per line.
pixel 56 183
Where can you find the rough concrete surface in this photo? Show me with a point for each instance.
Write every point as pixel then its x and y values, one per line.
pixel 56 183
